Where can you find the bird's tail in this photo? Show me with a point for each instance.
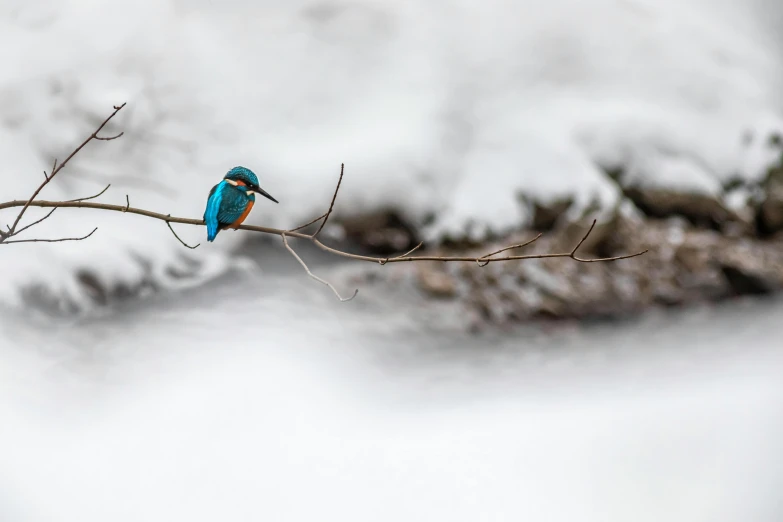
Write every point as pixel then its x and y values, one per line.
pixel 212 230
pixel 212 210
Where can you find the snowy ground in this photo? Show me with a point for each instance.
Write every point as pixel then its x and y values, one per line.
pixel 249 400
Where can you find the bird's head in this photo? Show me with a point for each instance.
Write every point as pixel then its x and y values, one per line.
pixel 246 180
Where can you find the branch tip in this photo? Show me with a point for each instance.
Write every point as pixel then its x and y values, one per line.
pixel 90 197
pixel 109 138
pixel 60 240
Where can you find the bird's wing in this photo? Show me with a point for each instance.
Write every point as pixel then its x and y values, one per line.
pixel 212 212
pixel 232 205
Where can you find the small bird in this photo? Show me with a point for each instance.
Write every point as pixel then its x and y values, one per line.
pixel 231 200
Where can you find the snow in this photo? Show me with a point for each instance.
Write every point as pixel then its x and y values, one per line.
pixel 455 107
pixel 273 406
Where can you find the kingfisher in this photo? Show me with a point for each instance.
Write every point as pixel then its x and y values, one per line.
pixel 231 200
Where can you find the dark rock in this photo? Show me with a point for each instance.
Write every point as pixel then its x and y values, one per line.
pixel 770 214
pixel 769 218
pixel 545 216
pixel 752 268
pixel 382 233
pixel 702 210
pixel 93 287
pixel 746 283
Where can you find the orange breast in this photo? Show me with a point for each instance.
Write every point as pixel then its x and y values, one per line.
pixel 239 221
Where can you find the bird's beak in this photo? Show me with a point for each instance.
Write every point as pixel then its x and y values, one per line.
pixel 264 193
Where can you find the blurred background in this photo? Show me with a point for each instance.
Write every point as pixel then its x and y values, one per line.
pixel 140 380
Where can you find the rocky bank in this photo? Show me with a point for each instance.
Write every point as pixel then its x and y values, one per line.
pixel 701 248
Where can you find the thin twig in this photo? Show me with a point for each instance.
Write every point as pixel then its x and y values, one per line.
pixel 35 222
pixel 180 239
pixel 99 194
pixel 293 253
pixel 484 259
pixel 110 137
pixel 300 227
pixel 584 238
pixel 127 203
pixel 54 166
pixel 50 240
pixel 409 252
pixel 331 205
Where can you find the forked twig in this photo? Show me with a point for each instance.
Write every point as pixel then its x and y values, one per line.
pixel 47 216
pixel 54 166
pixel 293 253
pixel 35 222
pixel 406 254
pixel 484 259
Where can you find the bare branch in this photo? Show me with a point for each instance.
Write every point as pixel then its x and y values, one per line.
pixel 316 241
pixel 50 240
pixel 57 168
pixel 85 203
pixel 293 253
pixel 179 239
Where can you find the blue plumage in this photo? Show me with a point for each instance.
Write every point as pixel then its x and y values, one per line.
pixel 230 201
